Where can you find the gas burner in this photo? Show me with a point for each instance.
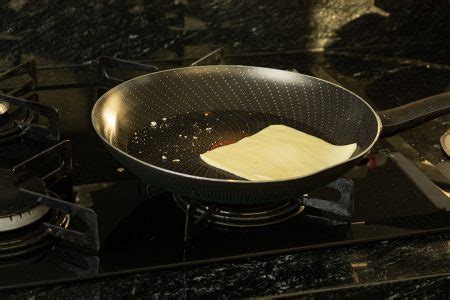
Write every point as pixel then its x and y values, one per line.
pixel 3 108
pixel 243 216
pixel 20 110
pixel 22 229
pixel 10 116
pixel 22 219
pixel 11 120
pixel 332 211
pixel 29 242
pixel 33 217
pixel 15 212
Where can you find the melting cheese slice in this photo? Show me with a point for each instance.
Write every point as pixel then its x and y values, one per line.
pixel 277 152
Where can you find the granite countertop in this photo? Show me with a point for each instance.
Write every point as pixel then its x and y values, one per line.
pixel 409 267
pixel 55 32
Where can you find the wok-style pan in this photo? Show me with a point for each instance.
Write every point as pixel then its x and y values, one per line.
pixel 158 124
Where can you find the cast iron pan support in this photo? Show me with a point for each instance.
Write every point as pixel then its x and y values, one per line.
pixel 104 62
pixel 339 212
pixel 89 239
pixel 215 57
pixel 37 131
pixel 28 68
pixel 192 224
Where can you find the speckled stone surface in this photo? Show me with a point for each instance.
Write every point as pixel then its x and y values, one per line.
pixel 404 267
pixel 78 31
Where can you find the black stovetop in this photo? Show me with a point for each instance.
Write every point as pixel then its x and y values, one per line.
pixel 392 198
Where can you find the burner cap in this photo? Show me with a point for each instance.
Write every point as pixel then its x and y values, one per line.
pixel 10 117
pixel 4 106
pixel 11 201
pixel 243 216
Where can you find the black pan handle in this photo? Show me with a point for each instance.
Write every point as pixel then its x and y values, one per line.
pixel 410 115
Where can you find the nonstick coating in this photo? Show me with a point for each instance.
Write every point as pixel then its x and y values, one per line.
pixel 157 125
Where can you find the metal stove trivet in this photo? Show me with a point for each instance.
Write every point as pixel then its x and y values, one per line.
pixel 33 196
pixel 334 212
pixel 20 110
pixel 105 64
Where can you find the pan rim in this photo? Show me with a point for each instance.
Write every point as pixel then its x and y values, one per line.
pixel 361 155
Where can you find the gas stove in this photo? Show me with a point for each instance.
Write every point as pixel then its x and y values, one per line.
pixel 72 212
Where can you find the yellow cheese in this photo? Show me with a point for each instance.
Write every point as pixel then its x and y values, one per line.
pixel 277 152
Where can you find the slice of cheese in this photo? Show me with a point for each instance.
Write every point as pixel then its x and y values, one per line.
pixel 277 152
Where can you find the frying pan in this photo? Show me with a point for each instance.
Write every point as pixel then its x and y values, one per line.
pixel 158 124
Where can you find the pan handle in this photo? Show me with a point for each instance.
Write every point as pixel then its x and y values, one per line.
pixel 410 115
